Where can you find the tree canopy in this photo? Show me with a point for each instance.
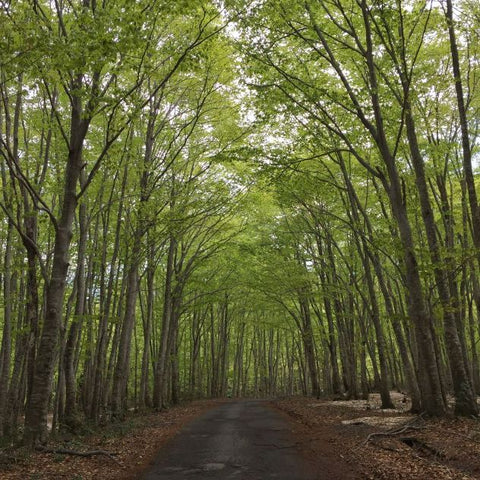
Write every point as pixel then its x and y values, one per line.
pixel 237 198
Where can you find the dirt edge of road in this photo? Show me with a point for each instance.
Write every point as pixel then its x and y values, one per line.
pixel 133 445
pixel 332 437
pixel 358 440
pixel 319 444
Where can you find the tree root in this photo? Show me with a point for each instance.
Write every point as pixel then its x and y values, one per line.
pixel 408 427
pixel 417 444
pixel 67 451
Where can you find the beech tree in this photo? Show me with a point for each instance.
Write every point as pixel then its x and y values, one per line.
pixel 356 78
pixel 236 198
pixel 84 51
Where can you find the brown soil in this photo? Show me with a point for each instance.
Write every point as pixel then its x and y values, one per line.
pixel 134 444
pixel 335 437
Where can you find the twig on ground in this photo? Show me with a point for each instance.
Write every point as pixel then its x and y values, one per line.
pixel 67 451
pixel 408 427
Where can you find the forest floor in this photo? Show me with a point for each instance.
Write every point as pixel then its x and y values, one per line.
pixel 385 444
pixel 129 447
pixel 343 433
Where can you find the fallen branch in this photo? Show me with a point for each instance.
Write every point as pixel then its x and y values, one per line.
pixel 417 444
pixel 408 427
pixel 393 433
pixel 67 451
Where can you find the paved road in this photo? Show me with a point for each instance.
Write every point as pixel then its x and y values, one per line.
pixel 239 440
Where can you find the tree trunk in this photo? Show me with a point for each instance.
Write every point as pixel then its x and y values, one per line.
pixel 106 296
pixel 465 401
pixel 122 367
pixel 331 340
pixel 308 344
pixel 161 360
pixel 37 403
pixel 462 116
pixel 5 352
pixel 363 250
pixel 144 400
pixel 71 419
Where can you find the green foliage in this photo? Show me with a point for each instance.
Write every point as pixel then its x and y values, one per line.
pixel 246 135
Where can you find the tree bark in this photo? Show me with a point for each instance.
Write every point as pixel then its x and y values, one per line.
pixel 462 116
pixel 122 366
pixel 465 401
pixel 37 404
pixel 71 419
pixel 106 297
pixel 308 344
pixel 161 360
pixel 5 351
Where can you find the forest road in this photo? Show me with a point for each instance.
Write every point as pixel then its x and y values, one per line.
pixel 244 440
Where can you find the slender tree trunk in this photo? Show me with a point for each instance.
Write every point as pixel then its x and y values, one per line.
pixel 122 367
pixel 17 385
pixel 161 361
pixel 173 350
pixel 106 297
pixel 71 419
pixel 465 401
pixel 363 250
pixel 462 116
pixel 147 335
pixel 331 340
pixel 196 341
pixel 380 338
pixel 5 352
pixel 308 343
pixel 37 404
pixel 412 383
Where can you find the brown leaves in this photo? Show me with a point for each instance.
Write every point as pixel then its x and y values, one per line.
pixel 134 442
pixel 446 449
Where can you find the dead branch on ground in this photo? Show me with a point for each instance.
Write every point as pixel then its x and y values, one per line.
pixel 407 428
pixel 67 451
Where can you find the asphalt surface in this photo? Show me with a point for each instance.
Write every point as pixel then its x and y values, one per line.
pixel 239 440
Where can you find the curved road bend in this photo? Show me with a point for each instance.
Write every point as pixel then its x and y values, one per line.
pixel 243 440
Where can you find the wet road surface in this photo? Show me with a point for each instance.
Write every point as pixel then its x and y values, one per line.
pixel 239 440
